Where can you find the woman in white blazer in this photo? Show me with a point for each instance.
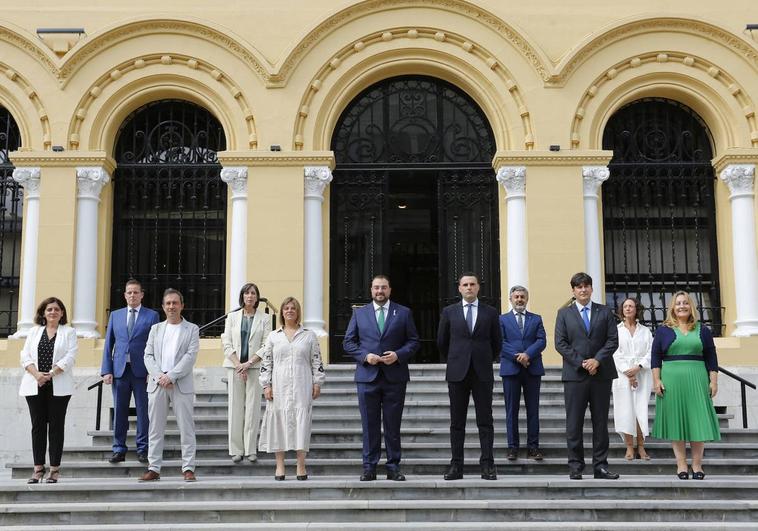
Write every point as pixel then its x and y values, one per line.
pixel 245 333
pixel 48 359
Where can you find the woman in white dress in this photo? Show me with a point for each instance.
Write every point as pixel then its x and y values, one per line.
pixel 291 376
pixel 631 390
pixel 244 335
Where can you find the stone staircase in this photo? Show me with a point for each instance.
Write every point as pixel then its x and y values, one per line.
pixel 94 494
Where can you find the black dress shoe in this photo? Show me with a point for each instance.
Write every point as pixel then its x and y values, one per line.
pixel 511 454
pixel 368 475
pixel 117 457
pixel 395 475
pixel 575 474
pixel 489 472
pixel 142 458
pixel 604 473
pixel 454 472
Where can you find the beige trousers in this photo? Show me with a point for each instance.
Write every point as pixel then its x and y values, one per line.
pixel 244 412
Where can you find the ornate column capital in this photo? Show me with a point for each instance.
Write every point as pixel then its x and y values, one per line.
pixel 316 180
pixel 236 178
pixel 513 180
pixel 740 178
pixel 90 181
pixel 594 177
pixel 29 178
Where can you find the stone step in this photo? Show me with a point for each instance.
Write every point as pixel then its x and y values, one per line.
pixel 415 526
pixel 340 450
pixel 377 510
pixel 439 435
pixel 417 466
pixel 350 488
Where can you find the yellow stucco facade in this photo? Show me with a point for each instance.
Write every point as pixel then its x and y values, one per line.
pixel 545 73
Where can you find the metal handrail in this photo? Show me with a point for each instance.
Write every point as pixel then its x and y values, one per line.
pixel 743 383
pixel 99 383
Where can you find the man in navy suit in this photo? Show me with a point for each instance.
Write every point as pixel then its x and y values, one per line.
pixel 524 339
pixel 124 367
pixel 382 338
pixel 469 338
pixel 586 336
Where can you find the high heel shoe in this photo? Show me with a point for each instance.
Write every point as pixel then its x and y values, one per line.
pixel 278 477
pixel 629 456
pixel 53 476
pixel 644 456
pixel 698 475
pixel 683 475
pixel 302 477
pixel 37 476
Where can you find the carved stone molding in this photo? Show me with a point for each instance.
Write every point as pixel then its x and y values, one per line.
pixel 513 180
pixel 594 177
pixel 31 93
pixel 701 29
pixel 90 181
pixel 316 180
pixel 236 178
pixel 740 178
pixel 276 158
pixel 29 178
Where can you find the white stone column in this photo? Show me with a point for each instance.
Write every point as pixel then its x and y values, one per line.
pixel 29 178
pixel 316 180
pixel 236 178
pixel 594 177
pixel 513 180
pixel 89 184
pixel 740 178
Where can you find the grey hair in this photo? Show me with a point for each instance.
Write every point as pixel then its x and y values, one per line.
pixel 518 288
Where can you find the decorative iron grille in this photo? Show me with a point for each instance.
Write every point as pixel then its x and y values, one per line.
pixel 414 196
pixel 659 210
pixel 170 208
pixel 11 209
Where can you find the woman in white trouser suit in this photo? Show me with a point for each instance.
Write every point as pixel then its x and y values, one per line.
pixel 244 335
pixel 631 390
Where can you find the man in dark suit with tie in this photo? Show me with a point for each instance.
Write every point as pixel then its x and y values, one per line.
pixel 586 337
pixel 524 339
pixel 469 338
pixel 124 367
pixel 382 338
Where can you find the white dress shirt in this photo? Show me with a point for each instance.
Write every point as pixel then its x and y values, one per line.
pixel 170 346
pixel 589 310
pixel 136 316
pixel 474 310
pixel 386 311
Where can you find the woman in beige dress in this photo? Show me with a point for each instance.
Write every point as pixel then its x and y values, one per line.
pixel 244 335
pixel 291 376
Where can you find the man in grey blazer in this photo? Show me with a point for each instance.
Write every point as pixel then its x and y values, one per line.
pixel 586 337
pixel 170 356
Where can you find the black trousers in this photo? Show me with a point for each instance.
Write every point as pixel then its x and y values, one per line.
pixel 48 414
pixel 577 395
pixel 460 393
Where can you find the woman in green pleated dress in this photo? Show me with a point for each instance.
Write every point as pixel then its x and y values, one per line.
pixel 685 380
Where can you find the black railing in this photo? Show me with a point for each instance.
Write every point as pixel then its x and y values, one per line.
pixel 743 383
pixel 99 384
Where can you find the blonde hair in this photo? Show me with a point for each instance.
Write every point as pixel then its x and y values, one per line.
pixel 295 303
pixel 671 320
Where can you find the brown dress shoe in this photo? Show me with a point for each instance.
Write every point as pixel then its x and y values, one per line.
pixel 189 475
pixel 150 475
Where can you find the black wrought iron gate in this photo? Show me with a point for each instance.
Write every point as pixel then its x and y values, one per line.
pixel 659 216
pixel 11 208
pixel 414 197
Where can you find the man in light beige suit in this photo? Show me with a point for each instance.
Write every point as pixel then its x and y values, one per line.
pixel 170 356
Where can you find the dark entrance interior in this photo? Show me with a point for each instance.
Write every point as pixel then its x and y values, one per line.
pixel 414 197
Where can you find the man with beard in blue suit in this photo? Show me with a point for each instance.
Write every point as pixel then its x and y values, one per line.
pixel 124 367
pixel 382 338
pixel 521 367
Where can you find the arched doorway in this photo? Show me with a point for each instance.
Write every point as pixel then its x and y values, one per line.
pixel 659 214
pixel 11 208
pixel 413 197
pixel 169 215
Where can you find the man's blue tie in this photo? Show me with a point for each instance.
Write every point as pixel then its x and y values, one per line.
pixel 130 323
pixel 470 317
pixel 586 318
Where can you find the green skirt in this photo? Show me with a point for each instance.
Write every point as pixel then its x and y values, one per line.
pixel 685 411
